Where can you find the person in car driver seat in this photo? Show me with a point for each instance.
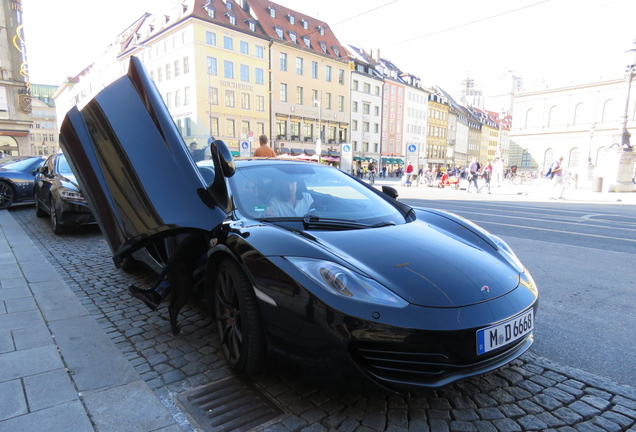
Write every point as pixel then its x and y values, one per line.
pixel 289 201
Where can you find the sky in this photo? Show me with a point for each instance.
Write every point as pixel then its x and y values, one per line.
pixel 441 42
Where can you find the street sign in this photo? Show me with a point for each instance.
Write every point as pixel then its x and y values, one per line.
pixel 412 148
pixel 245 149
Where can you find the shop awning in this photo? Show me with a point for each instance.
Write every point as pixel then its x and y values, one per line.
pixel 296 151
pixel 235 153
pixel 284 150
pixel 310 152
pixel 356 158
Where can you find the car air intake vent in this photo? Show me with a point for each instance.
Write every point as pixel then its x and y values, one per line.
pixel 390 360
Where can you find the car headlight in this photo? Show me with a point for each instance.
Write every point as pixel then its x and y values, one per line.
pixel 343 282
pixel 69 195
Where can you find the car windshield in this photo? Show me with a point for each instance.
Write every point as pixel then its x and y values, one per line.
pixel 295 190
pixel 17 166
pixel 63 167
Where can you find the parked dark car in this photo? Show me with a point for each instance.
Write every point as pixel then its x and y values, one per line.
pixel 328 278
pixel 58 195
pixel 16 179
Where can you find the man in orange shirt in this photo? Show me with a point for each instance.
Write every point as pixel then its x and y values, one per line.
pixel 264 150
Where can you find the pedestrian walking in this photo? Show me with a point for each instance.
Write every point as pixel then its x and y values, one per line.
pixel 486 174
pixel 556 170
pixel 473 169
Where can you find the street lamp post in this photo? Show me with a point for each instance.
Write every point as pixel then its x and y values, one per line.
pixel 589 150
pixel 319 140
pixel 617 162
pixel 623 134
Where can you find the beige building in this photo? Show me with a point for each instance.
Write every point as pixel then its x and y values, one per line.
pixel 309 78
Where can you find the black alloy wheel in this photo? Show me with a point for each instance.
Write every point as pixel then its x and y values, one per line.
pixel 238 319
pixel 55 220
pixel 7 195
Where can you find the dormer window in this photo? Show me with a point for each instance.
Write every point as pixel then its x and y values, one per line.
pixel 307 41
pixel 279 32
pixel 323 46
pixel 231 18
pixel 336 50
pixel 291 18
pixel 210 11
pixel 321 29
pixel 292 36
pixel 251 25
pixel 272 12
pixel 304 23
pixel 229 5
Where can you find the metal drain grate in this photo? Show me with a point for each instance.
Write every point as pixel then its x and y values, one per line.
pixel 231 404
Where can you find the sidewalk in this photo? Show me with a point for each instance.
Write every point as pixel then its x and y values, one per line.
pixel 59 371
pixel 539 190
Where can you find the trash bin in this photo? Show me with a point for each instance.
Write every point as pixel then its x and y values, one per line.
pixel 597 184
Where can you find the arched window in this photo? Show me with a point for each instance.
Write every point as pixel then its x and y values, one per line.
pixel 548 158
pixel 529 118
pixel 552 118
pixel 609 111
pixel 526 159
pixel 579 114
pixel 598 152
pixel 573 160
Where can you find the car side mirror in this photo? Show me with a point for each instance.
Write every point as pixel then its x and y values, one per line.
pixel 43 169
pixel 222 156
pixel 390 192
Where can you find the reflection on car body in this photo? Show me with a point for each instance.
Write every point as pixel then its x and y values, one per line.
pixel 58 195
pixel 361 285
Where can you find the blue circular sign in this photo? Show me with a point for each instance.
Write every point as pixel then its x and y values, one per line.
pixel 346 148
pixel 412 148
pixel 245 145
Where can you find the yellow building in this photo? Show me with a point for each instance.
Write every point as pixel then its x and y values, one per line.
pixel 437 134
pixel 211 67
pixel 310 84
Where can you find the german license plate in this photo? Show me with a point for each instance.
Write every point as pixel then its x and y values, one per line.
pixel 502 334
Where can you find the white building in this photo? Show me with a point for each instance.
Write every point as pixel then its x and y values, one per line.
pixel 415 119
pixel 366 109
pixel 575 122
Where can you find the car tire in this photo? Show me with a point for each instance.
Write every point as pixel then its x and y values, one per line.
pixel 55 220
pixel 7 195
pixel 38 210
pixel 238 319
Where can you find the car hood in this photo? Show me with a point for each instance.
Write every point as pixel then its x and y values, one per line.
pixel 133 166
pixel 69 181
pixel 426 264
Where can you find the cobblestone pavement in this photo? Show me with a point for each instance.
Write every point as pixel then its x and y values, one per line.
pixel 532 393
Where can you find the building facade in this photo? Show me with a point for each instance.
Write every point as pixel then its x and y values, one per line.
pixel 43 136
pixel 437 133
pixel 576 122
pixel 15 97
pixel 366 108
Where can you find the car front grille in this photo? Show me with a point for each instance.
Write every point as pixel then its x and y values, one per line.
pixel 417 364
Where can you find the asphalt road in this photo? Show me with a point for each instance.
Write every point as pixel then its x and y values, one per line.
pixel 582 256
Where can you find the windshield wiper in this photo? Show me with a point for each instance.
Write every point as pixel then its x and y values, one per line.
pixel 310 221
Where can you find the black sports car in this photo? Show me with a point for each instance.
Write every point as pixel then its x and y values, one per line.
pixel 308 269
pixel 16 179
pixel 58 195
